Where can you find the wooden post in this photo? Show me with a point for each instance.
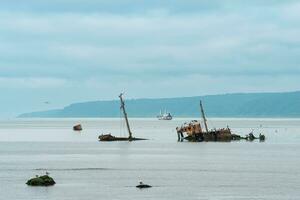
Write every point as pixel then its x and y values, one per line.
pixel 125 116
pixel 203 116
pixel 178 135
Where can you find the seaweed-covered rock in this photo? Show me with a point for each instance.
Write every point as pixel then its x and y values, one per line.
pixel 41 181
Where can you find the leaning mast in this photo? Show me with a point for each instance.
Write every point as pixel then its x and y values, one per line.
pixel 203 116
pixel 125 116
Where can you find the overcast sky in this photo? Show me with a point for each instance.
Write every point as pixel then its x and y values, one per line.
pixel 66 51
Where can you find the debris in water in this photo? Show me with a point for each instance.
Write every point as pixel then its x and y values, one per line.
pixel 77 127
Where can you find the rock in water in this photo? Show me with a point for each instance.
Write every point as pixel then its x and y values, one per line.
pixel 142 185
pixel 77 127
pixel 41 181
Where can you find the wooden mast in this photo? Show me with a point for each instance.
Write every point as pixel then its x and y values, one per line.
pixel 125 116
pixel 203 116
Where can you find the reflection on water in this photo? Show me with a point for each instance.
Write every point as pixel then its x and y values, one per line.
pixel 87 169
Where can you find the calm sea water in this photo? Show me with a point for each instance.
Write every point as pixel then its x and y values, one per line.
pixel 87 169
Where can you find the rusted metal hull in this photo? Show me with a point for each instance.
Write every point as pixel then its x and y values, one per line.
pixel 193 131
pixel 213 136
pixel 220 135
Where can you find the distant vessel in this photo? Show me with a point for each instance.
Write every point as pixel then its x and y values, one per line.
pixel 165 116
pixel 109 137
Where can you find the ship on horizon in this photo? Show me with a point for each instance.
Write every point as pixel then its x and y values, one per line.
pixel 164 116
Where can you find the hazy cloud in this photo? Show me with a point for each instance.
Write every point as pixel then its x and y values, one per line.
pixel 138 45
pixel 31 82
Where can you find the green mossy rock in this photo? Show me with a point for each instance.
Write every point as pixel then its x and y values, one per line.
pixel 41 181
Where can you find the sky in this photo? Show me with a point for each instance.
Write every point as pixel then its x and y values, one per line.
pixel 66 51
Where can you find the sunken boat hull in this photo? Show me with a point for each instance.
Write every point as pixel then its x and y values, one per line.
pixel 192 132
pixel 111 138
pixel 213 136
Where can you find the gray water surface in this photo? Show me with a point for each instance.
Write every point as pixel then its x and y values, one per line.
pixel 87 169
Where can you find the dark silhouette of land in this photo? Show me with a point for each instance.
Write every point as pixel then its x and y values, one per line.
pixel 285 104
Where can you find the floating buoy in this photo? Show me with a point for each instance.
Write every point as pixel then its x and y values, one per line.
pixel 262 137
pixel 142 185
pixel 77 127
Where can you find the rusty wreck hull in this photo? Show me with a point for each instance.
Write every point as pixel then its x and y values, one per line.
pixel 193 132
pixel 111 138
pixel 213 137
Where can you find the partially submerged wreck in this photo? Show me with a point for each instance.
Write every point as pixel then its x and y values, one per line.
pixel 109 137
pixel 192 131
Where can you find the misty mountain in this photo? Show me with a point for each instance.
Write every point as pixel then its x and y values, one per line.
pixel 225 105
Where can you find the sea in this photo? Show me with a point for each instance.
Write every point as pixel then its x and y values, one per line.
pixel 86 169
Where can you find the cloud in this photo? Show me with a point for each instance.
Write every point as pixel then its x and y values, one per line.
pixel 76 48
pixel 31 82
pixel 229 43
pixel 291 11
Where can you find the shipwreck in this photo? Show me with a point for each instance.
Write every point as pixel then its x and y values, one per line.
pixel 109 137
pixel 193 132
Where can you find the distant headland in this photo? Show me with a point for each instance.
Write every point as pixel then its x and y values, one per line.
pixel 273 105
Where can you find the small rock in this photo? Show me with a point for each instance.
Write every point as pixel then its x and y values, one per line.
pixel 41 181
pixel 142 185
pixel 77 127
